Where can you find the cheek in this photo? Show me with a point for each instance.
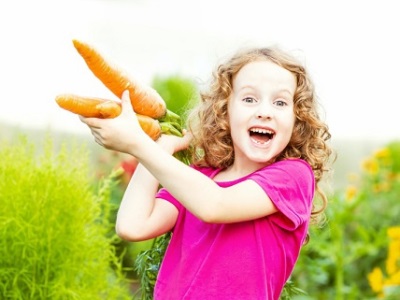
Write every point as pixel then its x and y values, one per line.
pixel 234 117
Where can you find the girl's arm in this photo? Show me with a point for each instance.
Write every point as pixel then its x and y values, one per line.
pixel 141 216
pixel 198 193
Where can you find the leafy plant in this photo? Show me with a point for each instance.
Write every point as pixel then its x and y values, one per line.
pixel 337 261
pixel 54 228
pixel 180 93
pixel 148 264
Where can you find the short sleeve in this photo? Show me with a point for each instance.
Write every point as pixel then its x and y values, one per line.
pixel 290 184
pixel 165 195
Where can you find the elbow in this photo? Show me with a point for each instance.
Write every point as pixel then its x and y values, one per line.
pixel 129 233
pixel 208 219
pixel 208 215
pixel 213 211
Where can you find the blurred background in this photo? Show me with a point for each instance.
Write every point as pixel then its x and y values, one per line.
pixel 351 49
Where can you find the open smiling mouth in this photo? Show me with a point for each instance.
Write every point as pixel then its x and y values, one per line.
pixel 261 136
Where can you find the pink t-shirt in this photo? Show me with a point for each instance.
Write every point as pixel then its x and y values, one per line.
pixel 244 260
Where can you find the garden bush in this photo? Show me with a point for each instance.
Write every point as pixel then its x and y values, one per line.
pixel 55 240
pixel 356 255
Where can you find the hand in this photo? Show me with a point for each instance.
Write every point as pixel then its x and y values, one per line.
pixel 122 133
pixel 173 143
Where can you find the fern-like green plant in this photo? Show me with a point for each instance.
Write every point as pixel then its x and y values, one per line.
pixel 148 264
pixel 54 228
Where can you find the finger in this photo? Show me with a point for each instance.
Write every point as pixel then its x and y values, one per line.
pixel 187 135
pixel 127 109
pixel 183 142
pixel 126 101
pixel 125 96
pixel 99 142
pixel 91 122
pixel 98 138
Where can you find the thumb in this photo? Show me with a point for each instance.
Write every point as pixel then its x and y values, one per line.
pixel 126 103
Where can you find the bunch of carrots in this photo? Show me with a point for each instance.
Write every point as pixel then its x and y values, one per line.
pixel 153 115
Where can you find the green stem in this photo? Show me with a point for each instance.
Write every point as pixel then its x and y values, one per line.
pixel 337 236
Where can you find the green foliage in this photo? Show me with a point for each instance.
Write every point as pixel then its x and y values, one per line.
pixel 290 290
pixel 148 264
pixel 54 229
pixel 178 92
pixel 337 261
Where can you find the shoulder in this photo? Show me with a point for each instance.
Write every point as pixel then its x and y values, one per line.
pixel 290 185
pixel 293 166
pixel 208 171
pixel 291 173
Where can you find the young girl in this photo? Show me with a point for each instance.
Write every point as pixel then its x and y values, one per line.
pixel 240 213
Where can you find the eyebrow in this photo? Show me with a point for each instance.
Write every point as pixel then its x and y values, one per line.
pixel 286 91
pixel 278 91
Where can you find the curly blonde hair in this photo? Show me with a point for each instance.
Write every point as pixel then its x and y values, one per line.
pixel 208 122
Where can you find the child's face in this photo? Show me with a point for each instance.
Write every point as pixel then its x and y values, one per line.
pixel 261 113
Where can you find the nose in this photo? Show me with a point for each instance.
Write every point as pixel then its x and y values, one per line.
pixel 264 110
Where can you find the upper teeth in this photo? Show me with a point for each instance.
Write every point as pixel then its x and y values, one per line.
pixel 263 131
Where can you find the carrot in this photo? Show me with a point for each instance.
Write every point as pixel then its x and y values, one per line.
pixel 102 108
pixel 87 107
pixel 145 100
pixel 150 126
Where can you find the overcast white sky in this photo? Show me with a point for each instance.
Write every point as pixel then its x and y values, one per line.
pixel 351 48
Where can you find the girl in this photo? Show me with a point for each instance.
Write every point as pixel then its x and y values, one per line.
pixel 240 213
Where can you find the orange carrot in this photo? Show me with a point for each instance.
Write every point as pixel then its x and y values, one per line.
pixel 150 126
pixel 87 107
pixel 102 108
pixel 145 100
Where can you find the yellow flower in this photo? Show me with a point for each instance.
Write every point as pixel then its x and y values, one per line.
pixel 382 153
pixel 394 232
pixel 375 279
pixel 371 166
pixel 351 191
pixel 393 258
pixel 394 279
pixel 391 265
pixel 384 156
pixel 379 284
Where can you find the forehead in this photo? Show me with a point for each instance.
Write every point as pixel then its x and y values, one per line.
pixel 264 72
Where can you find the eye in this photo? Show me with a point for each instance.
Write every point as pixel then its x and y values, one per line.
pixel 249 100
pixel 280 103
